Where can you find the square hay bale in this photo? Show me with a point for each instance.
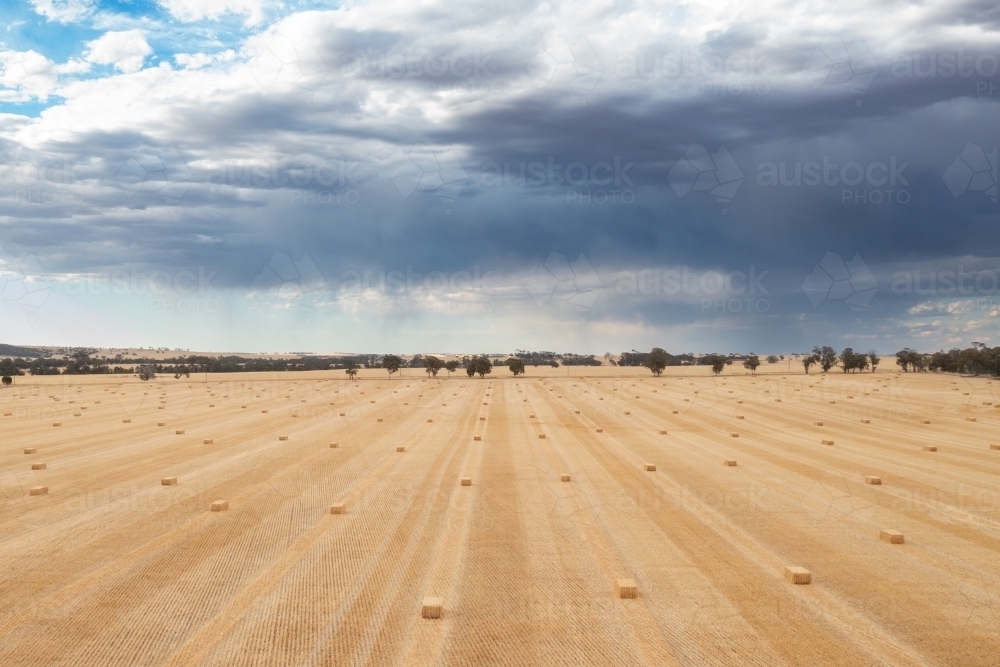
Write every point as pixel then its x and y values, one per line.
pixel 872 479
pixel 179 431
pixel 337 508
pixel 798 575
pixel 263 412
pixel 208 441
pixel 466 481
pixel 925 421
pixel 432 607
pixel 739 417
pixel 663 431
pixel 168 481
pixel 777 400
pixel 827 442
pixel 734 434
pixel 161 423
pixel 970 419
pixel 343 414
pixel 817 423
pixel 531 416
pixel 564 477
pixel 891 536
pixel 400 448
pixel 429 421
pixel 477 438
pixel 930 448
pixel 8 414
pixel 626 588
pixel 730 462
pixel 627 412
pixel 220 505
pixel 38 466
pixel 650 467
pixel 994 446
pixel 833 402
pixel 126 421
pixel 576 412
pixel 600 430
pixel 282 437
pixel 295 414
pixel 57 423
pixel 380 419
pixel 482 419
pixel 38 490
pixel 740 402
pixel 30 450
pixel 866 421
pixel 334 445
pixel 541 436
pixel 673 412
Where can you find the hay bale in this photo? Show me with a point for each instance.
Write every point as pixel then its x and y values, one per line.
pixel 600 430
pixel 343 414
pixel 126 421
pixel 400 448
pixel 833 402
pixel 38 466
pixel 282 437
pixel 891 536
pixel 337 508
pixel 872 479
pixel 466 481
pixel 817 423
pixel 220 505
pixel 57 423
pixel 38 490
pixel 930 448
pixel 564 477
pixel 477 438
pixel 334 445
pixel 576 412
pixel 263 412
pixel 30 450
pixel 730 462
pixel 739 416
pixel 734 434
pixel 866 421
pixel 541 436
pixel 925 421
pixel 798 575
pixel 673 412
pixel 970 419
pixel 482 419
pixel 531 416
pixel 179 431
pixel 432 607
pixel 650 467
pixel 161 423
pixel 626 588
pixel 168 481
pixel 208 441
pixel 380 419
pixel 663 431
pixel 827 442
pixel 429 421
pixel 994 446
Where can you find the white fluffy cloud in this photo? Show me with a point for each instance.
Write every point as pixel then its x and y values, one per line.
pixel 196 10
pixel 63 11
pixel 125 49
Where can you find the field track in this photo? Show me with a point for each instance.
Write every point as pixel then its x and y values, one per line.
pixel 110 566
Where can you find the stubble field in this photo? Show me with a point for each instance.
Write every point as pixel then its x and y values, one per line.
pixel 106 561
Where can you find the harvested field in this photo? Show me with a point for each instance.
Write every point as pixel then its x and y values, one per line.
pixel 447 534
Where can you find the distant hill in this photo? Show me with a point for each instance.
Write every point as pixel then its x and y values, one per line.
pixel 16 351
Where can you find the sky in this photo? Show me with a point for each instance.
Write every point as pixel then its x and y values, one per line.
pixel 590 177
